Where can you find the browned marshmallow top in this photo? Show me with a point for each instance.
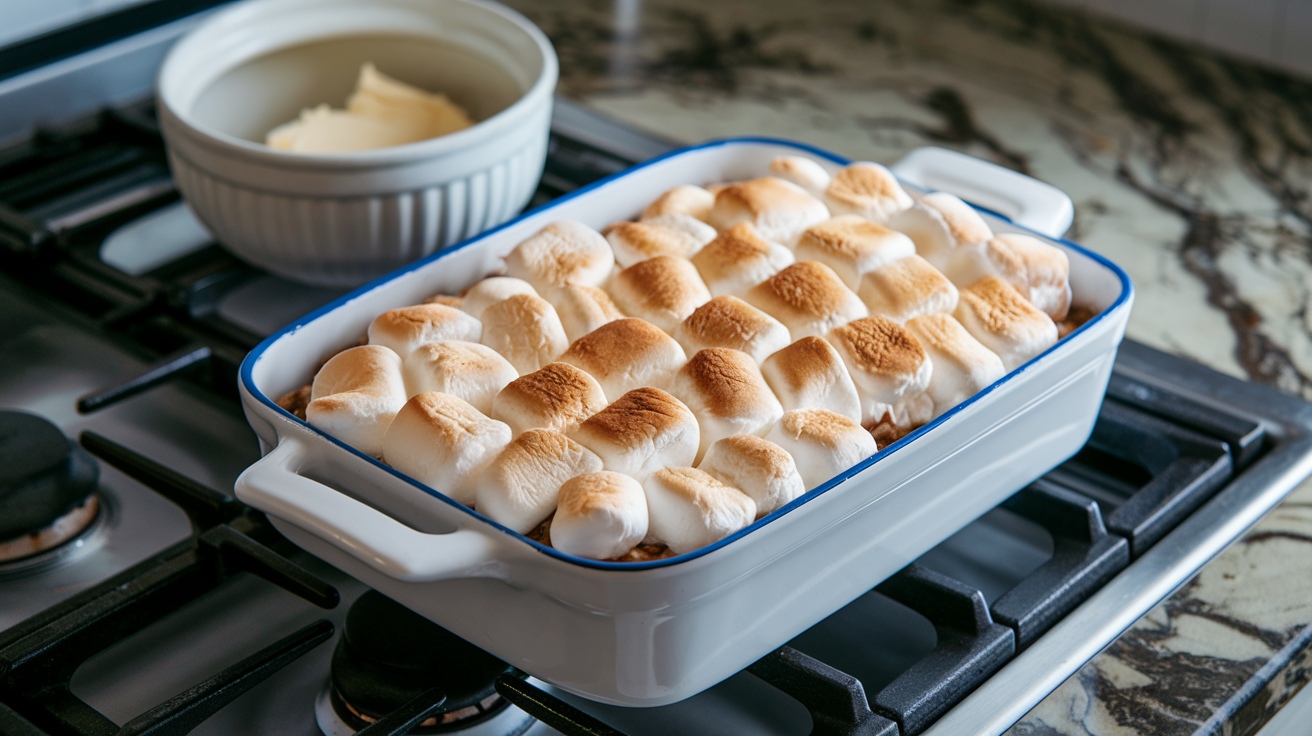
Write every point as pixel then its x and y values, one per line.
pixel 808 297
pixel 739 258
pixel 727 382
pixel 866 189
pixel 995 305
pixel 879 346
pixel 638 241
pixel 406 328
pixel 684 199
pixel 907 288
pixel 637 417
pixel 778 208
pixel 625 354
pixel 365 368
pixel 556 396
pixel 662 290
pixel 730 322
pixel 852 246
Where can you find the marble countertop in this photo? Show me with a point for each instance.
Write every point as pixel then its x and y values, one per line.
pixel 1190 170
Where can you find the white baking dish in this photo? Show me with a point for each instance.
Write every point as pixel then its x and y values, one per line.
pixel 647 634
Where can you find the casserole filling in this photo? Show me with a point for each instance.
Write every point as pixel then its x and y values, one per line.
pixel 653 388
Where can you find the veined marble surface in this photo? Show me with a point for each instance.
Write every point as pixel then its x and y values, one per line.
pixel 1190 170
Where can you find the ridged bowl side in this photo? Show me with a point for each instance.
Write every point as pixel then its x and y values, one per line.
pixel 346 241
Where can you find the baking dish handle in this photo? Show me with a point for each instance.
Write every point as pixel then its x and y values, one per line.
pixel 1024 200
pixel 275 485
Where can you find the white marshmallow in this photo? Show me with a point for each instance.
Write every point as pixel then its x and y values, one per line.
pixel 599 516
pixel 803 172
pixel 866 189
pixel 525 330
pixel 564 252
pixel 853 246
pixel 663 290
pixel 725 391
pixel 644 430
pixel 519 488
pixel 355 395
pixel 997 315
pixel 684 199
pixel 1040 272
pixel 490 290
pixel 757 467
pixel 962 365
pixel 730 322
pixel 808 297
pixel 890 369
pixel 822 443
pixel 907 288
pixel 738 259
pixel 625 354
pixel 583 309
pixel 680 236
pixel 443 442
pixel 940 224
pixel 407 328
pixel 473 372
pixel 557 396
pixel 779 209
pixel 688 509
pixel 809 374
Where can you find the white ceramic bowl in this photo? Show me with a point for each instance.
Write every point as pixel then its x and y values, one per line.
pixel 342 219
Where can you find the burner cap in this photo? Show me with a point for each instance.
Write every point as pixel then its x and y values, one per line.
pixel 389 655
pixel 43 476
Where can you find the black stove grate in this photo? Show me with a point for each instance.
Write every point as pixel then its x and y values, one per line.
pixel 1153 457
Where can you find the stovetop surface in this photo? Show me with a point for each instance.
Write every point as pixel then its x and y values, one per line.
pixel 147 344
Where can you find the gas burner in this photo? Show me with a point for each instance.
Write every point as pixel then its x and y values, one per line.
pixel 388 655
pixel 47 489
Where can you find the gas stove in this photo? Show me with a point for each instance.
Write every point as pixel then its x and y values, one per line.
pixel 137 596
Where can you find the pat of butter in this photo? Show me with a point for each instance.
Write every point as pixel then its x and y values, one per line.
pixel 381 112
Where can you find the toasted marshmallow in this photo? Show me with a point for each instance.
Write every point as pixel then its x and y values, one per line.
pixel 625 354
pixel 525 330
pixel 822 443
pixel 779 209
pixel 519 488
pixel 996 314
pixel 730 322
pixel 802 171
pixel 407 328
pixel 809 374
pixel 1040 272
pixel 738 259
pixel 962 365
pixel 564 252
pixel 491 290
pixel 940 224
pixel 757 467
pixel 853 246
pixel 467 370
pixel 355 395
pixel 688 509
pixel 443 442
pixel 643 431
pixel 446 300
pixel 583 309
pixel 725 391
pixel 889 367
pixel 599 516
pixel 556 396
pixel 680 236
pixel 684 199
pixel 866 189
pixel 907 288
pixel 663 290
pixel 808 297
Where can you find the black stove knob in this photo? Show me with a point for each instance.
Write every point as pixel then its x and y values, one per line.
pixel 43 475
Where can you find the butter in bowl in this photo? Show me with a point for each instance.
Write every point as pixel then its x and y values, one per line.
pixel 447 109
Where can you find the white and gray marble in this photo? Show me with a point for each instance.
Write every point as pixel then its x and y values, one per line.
pixel 1190 170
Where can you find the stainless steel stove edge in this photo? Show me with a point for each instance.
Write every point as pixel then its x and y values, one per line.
pixel 1007 696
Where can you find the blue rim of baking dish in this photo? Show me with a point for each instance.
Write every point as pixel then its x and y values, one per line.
pixel 247 366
